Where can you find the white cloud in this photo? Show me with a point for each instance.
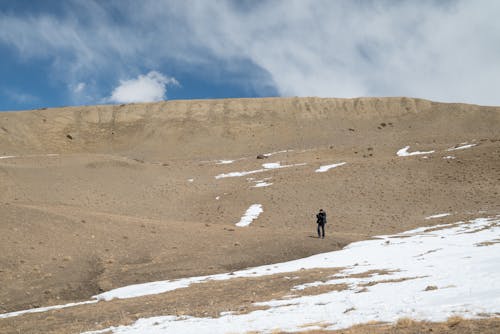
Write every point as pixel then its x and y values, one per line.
pixel 151 87
pixel 79 87
pixel 441 50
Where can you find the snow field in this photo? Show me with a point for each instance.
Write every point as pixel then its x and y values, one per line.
pixel 460 262
pixel 428 275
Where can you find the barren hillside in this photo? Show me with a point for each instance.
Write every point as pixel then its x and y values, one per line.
pixel 95 198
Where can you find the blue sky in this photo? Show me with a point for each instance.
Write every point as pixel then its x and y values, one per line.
pixel 57 53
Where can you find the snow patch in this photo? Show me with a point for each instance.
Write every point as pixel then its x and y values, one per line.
pixel 29 156
pixel 439 215
pixel 325 168
pixel 449 157
pixel 262 184
pixel 404 152
pixel 267 166
pixel 252 213
pixel 224 162
pixel 272 165
pixel 277 152
pixel 462 147
pixel 45 309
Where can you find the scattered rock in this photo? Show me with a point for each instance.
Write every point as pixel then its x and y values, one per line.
pixel 261 156
pixel 351 129
pixel 430 288
pixel 70 137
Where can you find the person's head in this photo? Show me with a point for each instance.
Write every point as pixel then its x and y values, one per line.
pixel 320 210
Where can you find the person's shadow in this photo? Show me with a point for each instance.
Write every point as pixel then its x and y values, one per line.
pixel 313 236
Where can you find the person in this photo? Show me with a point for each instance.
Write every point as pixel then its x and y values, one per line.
pixel 321 221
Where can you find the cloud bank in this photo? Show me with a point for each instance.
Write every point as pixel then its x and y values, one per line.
pixel 151 87
pixel 440 50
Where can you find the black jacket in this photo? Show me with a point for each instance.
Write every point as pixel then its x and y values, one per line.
pixel 321 218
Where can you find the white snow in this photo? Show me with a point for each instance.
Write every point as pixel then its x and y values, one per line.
pixel 29 156
pixel 225 162
pixel 45 309
pixel 272 165
pixel 439 215
pixel 449 157
pixel 465 274
pixel 252 213
pixel 217 198
pixel 190 180
pixel 262 184
pixel 325 168
pixel 238 174
pixel 277 152
pixel 267 166
pixel 404 152
pixel 462 147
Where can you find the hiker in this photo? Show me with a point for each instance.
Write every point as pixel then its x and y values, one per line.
pixel 321 221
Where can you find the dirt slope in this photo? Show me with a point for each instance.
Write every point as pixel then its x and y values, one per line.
pixel 103 196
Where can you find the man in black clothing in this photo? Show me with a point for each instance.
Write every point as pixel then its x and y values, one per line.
pixel 321 221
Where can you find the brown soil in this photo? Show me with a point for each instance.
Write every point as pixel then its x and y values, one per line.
pixel 115 206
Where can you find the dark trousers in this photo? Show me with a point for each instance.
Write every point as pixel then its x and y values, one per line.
pixel 322 227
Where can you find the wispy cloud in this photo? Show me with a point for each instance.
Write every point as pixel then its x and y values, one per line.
pixel 20 97
pixel 442 50
pixel 151 87
pixel 79 87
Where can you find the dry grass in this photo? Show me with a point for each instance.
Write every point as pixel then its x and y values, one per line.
pixel 453 325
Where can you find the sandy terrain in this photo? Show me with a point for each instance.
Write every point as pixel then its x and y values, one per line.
pixel 94 198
